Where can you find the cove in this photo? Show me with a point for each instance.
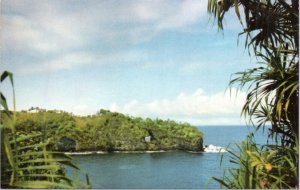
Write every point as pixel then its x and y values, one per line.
pixel 175 169
pixel 171 169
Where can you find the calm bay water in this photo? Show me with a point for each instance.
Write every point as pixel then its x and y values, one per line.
pixel 176 169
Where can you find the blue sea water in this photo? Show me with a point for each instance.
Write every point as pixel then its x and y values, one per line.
pixel 224 135
pixel 172 170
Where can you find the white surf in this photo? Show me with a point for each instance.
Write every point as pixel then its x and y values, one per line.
pixel 214 149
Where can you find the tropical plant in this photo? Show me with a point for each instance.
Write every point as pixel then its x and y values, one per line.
pixel 26 161
pixel 274 96
pixel 260 167
pixel 272 35
pixel 274 87
pixel 242 176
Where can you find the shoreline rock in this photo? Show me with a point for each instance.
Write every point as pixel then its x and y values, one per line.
pixel 107 152
pixel 206 149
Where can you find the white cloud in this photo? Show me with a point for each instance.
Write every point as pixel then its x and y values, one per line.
pixel 192 68
pixel 197 107
pixel 43 30
pixel 79 59
pixel 187 13
pixel 48 27
pixel 49 35
pixel 63 62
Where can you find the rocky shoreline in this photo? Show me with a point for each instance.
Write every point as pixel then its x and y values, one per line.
pixel 206 149
pixel 107 152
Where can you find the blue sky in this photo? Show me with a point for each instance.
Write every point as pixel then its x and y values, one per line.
pixel 143 58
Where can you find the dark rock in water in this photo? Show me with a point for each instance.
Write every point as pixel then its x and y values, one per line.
pixel 66 144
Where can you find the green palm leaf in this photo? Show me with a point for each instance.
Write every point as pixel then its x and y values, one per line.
pixel 25 160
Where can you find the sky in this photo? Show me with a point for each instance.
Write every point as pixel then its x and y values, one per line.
pixel 158 59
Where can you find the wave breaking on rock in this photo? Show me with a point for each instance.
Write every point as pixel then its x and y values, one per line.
pixel 214 149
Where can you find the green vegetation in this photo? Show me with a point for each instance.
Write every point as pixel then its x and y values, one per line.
pixel 32 142
pixel 272 35
pixel 108 131
pixel 269 167
pixel 26 159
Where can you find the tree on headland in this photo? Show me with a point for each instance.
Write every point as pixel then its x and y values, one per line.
pixel 271 32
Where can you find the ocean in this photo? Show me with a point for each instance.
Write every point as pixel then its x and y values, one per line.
pixel 161 170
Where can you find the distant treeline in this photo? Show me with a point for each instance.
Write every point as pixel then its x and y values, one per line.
pixel 108 131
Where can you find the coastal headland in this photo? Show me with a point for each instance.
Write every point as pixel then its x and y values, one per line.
pixel 108 131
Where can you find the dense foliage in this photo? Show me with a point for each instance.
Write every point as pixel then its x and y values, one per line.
pixel 108 131
pixel 271 28
pixel 26 158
